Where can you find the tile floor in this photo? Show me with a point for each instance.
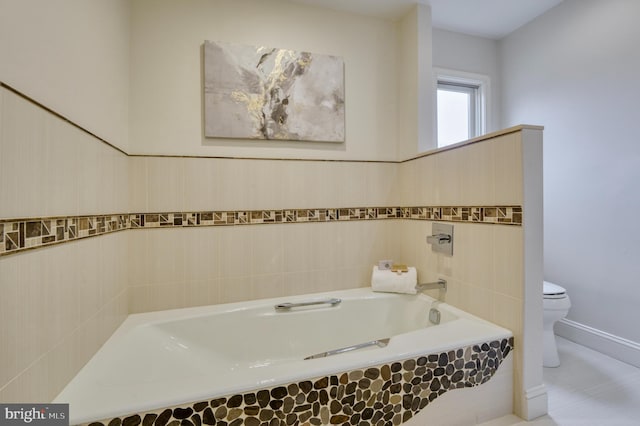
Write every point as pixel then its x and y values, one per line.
pixel 588 389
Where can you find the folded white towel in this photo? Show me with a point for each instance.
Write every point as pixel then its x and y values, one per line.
pixel 392 282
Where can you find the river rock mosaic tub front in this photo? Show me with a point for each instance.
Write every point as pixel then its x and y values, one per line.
pixel 389 394
pixel 248 363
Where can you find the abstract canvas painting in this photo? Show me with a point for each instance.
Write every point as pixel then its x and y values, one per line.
pixel 257 92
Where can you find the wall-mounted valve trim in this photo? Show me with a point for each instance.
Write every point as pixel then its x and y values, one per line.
pixel 441 238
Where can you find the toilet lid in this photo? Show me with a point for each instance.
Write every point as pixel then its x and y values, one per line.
pixel 551 289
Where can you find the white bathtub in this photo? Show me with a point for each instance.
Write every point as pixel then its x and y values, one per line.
pixel 165 359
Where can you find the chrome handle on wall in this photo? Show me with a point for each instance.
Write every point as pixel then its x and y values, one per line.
pixel 381 343
pixel 286 306
pixel 439 239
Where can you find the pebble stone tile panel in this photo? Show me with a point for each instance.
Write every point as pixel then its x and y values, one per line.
pixel 388 394
pixel 22 234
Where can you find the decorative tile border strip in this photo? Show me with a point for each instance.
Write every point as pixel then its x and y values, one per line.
pixel 388 394
pixel 23 234
pixel 506 215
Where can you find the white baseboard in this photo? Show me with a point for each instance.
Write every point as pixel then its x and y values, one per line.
pixel 534 402
pixel 609 344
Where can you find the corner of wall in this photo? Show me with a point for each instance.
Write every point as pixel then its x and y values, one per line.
pixel 415 113
pixel 532 391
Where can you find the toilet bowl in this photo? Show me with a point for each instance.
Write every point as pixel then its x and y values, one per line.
pixel 556 305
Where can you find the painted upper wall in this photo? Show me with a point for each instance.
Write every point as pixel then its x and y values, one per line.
pixel 166 74
pixel 72 56
pixel 574 70
pixel 461 52
pixel 415 106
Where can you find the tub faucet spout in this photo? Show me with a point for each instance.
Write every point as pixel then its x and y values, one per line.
pixel 440 284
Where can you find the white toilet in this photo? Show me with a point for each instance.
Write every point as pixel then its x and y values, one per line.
pixel 556 305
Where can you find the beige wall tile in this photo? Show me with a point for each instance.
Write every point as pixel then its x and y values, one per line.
pixel 351 245
pixel 60 322
pixel 167 296
pixel 201 293
pixel 89 192
pixel 324 245
pixel 408 182
pixel 234 186
pixel 138 185
pixel 408 234
pixel 304 282
pixel 32 326
pixel 24 165
pixel 295 242
pixel 235 289
pixel 374 243
pixel 121 182
pixel 426 178
pixel 60 368
pixel 30 386
pixel 114 254
pixel 267 286
pixel 107 185
pixel 59 285
pixel 10 359
pixel 508 169
pixel 201 254
pixel 112 314
pixel 138 261
pixel 165 180
pixel 382 184
pixel 235 251
pixel 87 264
pixel 507 312
pixel 61 177
pixel 200 183
pixel 478 254
pixel 165 253
pixel 509 260
pixel 297 188
pixel 267 253
pixel 351 184
pixel 140 299
pixel 449 180
pixel 265 184
pixel 85 341
pixel 478 174
pixel 477 301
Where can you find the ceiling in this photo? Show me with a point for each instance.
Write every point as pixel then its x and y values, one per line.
pixel 484 18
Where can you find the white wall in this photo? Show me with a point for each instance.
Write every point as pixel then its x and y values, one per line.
pixel 415 92
pixel 478 55
pixel 166 73
pixel 73 57
pixel 575 71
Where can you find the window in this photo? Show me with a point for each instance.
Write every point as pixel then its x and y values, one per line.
pixel 461 103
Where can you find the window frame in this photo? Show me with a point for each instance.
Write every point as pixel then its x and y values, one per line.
pixel 464 81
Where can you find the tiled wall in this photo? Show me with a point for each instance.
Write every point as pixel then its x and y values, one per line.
pixel 222 265
pixel 50 168
pixel 57 305
pixel 485 276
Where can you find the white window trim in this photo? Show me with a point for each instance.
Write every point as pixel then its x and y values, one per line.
pixel 483 100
